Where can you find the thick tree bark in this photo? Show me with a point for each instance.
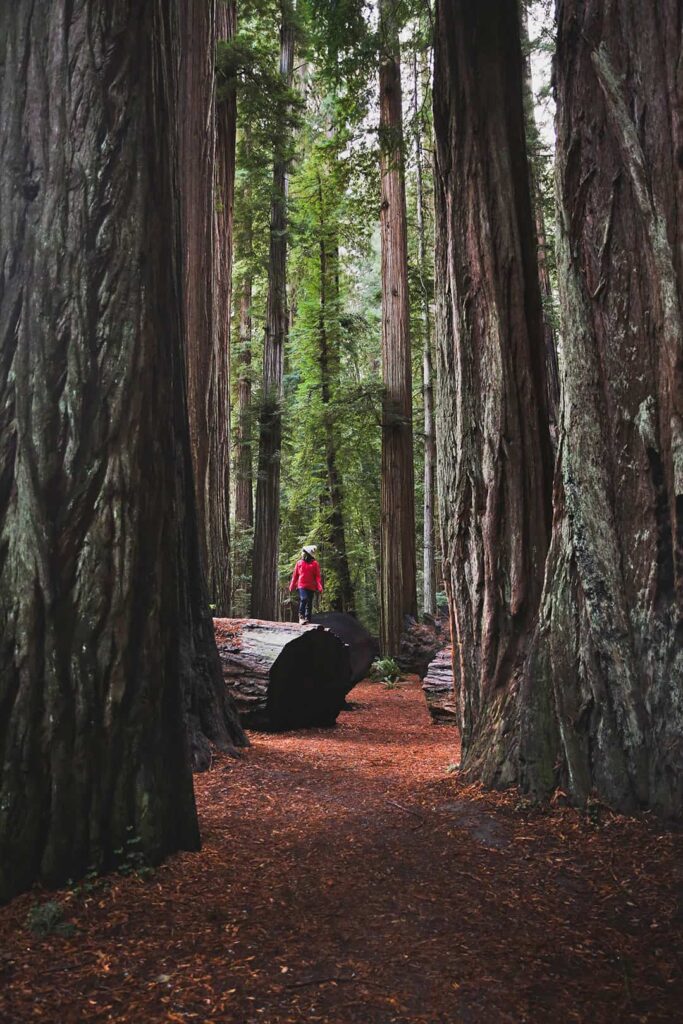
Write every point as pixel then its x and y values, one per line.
pixel 101 595
pixel 429 477
pixel 218 394
pixel 398 568
pixel 492 433
pixel 265 590
pixel 601 707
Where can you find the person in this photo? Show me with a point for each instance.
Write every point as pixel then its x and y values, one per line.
pixel 306 579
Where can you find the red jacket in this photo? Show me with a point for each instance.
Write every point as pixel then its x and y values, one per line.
pixel 306 575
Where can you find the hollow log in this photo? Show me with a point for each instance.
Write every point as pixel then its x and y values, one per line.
pixel 282 675
pixel 439 690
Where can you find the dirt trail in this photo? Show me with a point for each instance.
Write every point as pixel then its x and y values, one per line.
pixel 347 877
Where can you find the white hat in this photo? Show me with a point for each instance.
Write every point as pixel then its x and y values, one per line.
pixel 310 549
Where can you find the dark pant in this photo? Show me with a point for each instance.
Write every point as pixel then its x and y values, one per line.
pixel 306 603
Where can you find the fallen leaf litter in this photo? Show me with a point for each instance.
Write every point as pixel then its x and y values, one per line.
pixel 349 877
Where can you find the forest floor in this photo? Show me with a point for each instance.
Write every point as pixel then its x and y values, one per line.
pixel 348 876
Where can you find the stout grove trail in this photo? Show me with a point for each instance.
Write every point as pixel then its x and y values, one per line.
pixel 346 876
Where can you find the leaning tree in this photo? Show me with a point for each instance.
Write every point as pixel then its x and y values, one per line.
pixel 106 637
pixel 591 699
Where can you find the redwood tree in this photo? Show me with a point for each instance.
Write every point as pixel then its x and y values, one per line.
pixel 105 627
pixel 601 707
pixel 494 449
pixel 591 700
pixel 398 595
pixel 429 476
pixel 329 362
pixel 218 396
pixel 244 497
pixel 206 155
pixel 265 591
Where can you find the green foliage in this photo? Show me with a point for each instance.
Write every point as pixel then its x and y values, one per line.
pixel 334 286
pixel 48 919
pixel 385 670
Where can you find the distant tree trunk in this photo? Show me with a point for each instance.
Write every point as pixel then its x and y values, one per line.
pixel 244 503
pixel 101 593
pixel 398 569
pixel 429 481
pixel 265 591
pixel 549 332
pixel 337 560
pixel 218 395
pixel 494 465
pixel 601 706
pixel 243 465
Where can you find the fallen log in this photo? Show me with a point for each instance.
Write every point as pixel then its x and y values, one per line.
pixel 420 644
pixel 282 675
pixel 363 647
pixel 439 690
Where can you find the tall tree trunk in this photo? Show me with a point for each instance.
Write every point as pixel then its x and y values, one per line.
pixel 100 581
pixel 337 560
pixel 398 569
pixel 211 714
pixel 196 150
pixel 602 700
pixel 265 591
pixel 494 467
pixel 244 483
pixel 218 394
pixel 429 481
pixel 549 332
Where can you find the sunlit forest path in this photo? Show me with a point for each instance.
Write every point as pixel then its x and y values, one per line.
pixel 347 876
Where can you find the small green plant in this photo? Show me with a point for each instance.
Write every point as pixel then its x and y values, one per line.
pixel 48 919
pixel 131 860
pixel 385 670
pixel 91 882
